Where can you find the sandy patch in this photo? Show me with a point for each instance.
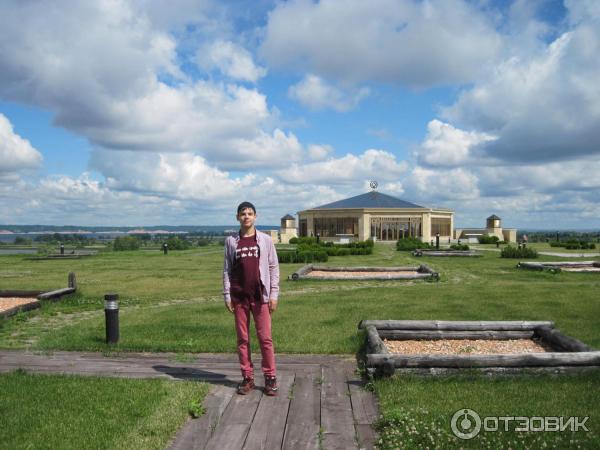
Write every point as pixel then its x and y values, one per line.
pixel 7 303
pixel 464 346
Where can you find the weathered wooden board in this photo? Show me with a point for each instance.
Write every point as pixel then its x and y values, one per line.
pixel 302 427
pixel 196 432
pixel 337 421
pixel 268 427
pixel 235 422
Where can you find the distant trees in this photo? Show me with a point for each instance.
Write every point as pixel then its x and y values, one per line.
pixel 124 243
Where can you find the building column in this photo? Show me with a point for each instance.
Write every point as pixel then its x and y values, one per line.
pixel 364 227
pixel 309 225
pixel 426 227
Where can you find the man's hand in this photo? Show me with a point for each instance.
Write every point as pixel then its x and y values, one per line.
pixel 229 307
pixel 272 305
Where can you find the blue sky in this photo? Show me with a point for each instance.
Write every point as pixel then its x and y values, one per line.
pixel 137 112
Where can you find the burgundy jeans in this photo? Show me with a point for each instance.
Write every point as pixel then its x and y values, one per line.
pixel 262 321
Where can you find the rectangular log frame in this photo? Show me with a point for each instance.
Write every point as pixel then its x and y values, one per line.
pixel 557 266
pixel 463 253
pixel 40 295
pixel 421 272
pixel 570 355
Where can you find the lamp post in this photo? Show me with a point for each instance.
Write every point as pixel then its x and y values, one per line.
pixel 111 316
pixel 437 241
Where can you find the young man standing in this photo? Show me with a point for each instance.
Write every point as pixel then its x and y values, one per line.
pixel 251 286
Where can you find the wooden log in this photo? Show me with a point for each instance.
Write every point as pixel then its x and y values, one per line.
pixel 301 272
pixel 560 341
pixel 466 253
pixel 497 371
pixel 72 281
pixel 415 276
pixel 444 334
pixel 454 325
pixel 375 343
pixel 365 269
pixel 56 294
pixel 17 293
pixel 498 360
pixel 596 264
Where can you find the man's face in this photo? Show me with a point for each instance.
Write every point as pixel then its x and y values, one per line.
pixel 246 217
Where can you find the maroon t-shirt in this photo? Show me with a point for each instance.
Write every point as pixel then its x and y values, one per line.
pixel 245 279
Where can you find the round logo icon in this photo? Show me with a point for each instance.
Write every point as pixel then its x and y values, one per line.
pixel 465 424
pixel 373 184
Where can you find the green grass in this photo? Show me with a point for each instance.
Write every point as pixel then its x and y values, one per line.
pixel 72 412
pixel 428 404
pixel 174 303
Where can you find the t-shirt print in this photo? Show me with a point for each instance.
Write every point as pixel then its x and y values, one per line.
pixel 245 252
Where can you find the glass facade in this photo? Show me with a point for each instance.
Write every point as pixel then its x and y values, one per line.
pixel 303 228
pixel 441 226
pixel 333 226
pixel 394 228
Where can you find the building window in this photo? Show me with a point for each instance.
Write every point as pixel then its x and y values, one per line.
pixel 441 226
pixel 303 228
pixel 333 226
pixel 394 228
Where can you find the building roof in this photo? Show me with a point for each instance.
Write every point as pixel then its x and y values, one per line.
pixel 493 217
pixel 370 200
pixel 288 217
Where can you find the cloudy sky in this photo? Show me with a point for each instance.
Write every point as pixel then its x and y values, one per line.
pixel 140 112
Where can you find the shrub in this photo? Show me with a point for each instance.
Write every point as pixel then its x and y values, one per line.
pixel 410 244
pixel 203 242
pixel 459 247
pixel 487 239
pixel 514 252
pixel 294 240
pixel 124 243
pixel 20 240
pixel 177 243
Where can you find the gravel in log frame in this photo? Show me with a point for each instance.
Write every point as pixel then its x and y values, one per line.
pixel 562 266
pixel 560 354
pixel 314 272
pixel 15 301
pixel 463 253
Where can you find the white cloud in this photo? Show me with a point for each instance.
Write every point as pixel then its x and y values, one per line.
pixel 544 106
pixel 100 67
pixel 319 152
pixel 316 94
pixel 231 59
pixel 16 154
pixel 349 169
pixel 435 185
pixel 446 145
pixel 410 42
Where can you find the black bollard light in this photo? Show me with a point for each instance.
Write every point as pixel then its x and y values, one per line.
pixel 437 241
pixel 62 249
pixel 497 244
pixel 318 236
pixel 165 248
pixel 111 314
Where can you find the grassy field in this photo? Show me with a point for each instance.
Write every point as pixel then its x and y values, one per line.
pixel 69 412
pixel 174 303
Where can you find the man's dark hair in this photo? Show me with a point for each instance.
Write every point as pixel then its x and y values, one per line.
pixel 242 206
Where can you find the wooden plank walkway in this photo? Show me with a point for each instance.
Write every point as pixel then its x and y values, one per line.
pixel 321 403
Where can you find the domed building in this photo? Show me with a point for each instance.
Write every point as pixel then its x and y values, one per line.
pixel 493 227
pixel 378 216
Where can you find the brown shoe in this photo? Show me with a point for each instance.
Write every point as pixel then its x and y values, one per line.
pixel 245 386
pixel 271 388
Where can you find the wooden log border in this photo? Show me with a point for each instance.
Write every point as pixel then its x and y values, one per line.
pixel 557 266
pixel 464 253
pixel 569 354
pixel 421 272
pixel 40 295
